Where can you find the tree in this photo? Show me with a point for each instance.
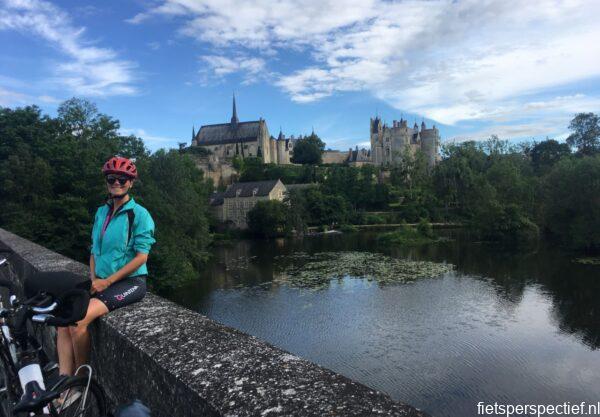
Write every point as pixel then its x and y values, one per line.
pixel 297 216
pixel 570 203
pixel 267 218
pixel 308 150
pixel 178 203
pixel 547 153
pixel 586 133
pixel 326 209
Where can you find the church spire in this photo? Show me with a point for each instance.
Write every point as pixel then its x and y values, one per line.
pixel 193 132
pixel 234 118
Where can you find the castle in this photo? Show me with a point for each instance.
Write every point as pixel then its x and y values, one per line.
pixel 243 139
pixel 252 139
pixel 389 143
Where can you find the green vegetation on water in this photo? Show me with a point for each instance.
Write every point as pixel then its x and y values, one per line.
pixel 407 235
pixel 315 271
pixel 588 261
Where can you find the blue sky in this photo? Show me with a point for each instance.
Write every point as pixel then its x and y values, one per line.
pixel 518 69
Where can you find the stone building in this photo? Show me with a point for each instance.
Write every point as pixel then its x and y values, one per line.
pixel 233 205
pixel 243 139
pixel 388 143
pixel 359 157
pixel 331 156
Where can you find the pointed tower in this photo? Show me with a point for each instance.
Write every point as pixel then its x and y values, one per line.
pixel 234 118
pixel 283 157
pixel 194 141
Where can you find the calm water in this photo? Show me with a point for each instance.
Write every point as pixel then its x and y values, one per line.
pixel 520 328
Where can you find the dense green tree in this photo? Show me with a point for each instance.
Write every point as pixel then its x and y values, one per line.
pixel 176 194
pixel 326 209
pixel 268 218
pixel 570 203
pixel 297 214
pixel 308 150
pixel 547 153
pixel 586 133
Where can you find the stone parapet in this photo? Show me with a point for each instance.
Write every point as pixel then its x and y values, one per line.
pixel 181 363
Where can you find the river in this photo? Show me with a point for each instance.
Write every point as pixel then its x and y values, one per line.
pixel 504 326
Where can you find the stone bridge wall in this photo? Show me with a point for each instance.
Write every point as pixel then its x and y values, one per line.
pixel 181 363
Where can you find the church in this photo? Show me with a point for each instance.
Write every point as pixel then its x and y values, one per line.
pixel 243 139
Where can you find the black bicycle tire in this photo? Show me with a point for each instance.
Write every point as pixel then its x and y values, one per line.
pixel 95 391
pixel 8 397
pixel 5 400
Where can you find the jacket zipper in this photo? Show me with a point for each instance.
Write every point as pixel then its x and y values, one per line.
pixel 111 219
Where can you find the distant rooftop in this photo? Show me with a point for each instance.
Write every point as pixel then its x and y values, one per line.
pixel 247 189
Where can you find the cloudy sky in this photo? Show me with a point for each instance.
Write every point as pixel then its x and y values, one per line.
pixel 519 69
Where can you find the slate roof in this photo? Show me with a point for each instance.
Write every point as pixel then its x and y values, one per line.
pixel 228 133
pixel 247 189
pixel 216 199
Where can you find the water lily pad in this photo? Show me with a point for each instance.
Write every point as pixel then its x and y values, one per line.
pixel 317 270
pixel 588 261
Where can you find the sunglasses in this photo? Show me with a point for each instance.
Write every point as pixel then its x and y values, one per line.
pixel 112 179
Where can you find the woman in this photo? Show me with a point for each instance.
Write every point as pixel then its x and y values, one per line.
pixel 122 236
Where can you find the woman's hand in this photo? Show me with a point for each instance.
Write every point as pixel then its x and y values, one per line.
pixel 99 285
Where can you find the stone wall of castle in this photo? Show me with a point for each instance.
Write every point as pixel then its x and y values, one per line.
pixel 389 143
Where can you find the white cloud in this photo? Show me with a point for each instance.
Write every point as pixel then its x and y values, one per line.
pixel 9 97
pixel 151 141
pixel 450 61
pixel 91 71
pixel 155 46
pixel 219 66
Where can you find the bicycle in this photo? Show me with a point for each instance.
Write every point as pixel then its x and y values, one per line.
pixel 29 384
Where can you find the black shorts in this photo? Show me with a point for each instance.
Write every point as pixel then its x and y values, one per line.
pixel 124 292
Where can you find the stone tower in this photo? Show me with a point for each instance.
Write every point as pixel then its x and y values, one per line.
pixel 389 143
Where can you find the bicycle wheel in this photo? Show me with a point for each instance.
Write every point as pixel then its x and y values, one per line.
pixel 5 400
pixel 8 396
pixel 73 402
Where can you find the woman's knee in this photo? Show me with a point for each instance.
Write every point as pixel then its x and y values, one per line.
pixel 79 329
pixel 96 309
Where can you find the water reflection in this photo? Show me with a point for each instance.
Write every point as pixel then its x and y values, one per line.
pixel 505 326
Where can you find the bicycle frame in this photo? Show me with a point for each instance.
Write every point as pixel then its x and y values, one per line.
pixel 20 353
pixel 26 364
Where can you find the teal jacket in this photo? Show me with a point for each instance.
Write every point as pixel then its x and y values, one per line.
pixel 112 252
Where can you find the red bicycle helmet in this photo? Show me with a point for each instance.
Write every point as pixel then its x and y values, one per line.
pixel 120 165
